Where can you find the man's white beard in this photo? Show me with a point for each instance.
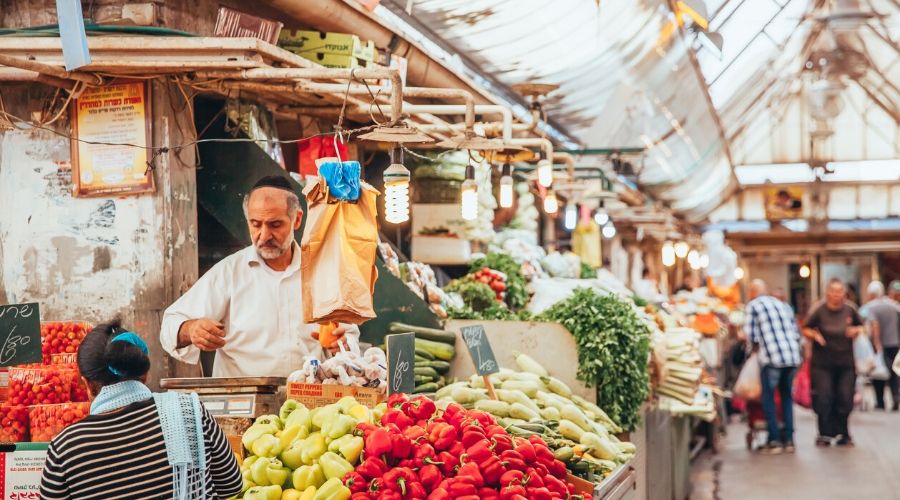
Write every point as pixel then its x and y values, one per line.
pixel 269 253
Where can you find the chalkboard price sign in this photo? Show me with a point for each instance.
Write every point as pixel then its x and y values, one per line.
pixel 480 350
pixel 401 355
pixel 20 334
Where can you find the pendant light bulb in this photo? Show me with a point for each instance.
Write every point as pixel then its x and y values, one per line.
pixel 551 204
pixel 668 254
pixel 805 271
pixel 571 216
pixel 601 217
pixel 545 173
pixel 693 258
pixel 739 273
pixel 681 249
pixel 704 261
pixel 506 186
pixel 609 230
pixel 469 195
pixel 396 189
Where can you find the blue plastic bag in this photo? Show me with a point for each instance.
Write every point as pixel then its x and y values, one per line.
pixel 342 178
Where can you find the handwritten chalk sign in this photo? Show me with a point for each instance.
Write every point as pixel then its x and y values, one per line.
pixel 480 350
pixel 20 334
pixel 401 355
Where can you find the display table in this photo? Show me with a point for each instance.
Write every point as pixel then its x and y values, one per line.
pixel 550 344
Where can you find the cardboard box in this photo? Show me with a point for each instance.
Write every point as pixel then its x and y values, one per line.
pixel 231 23
pixel 336 44
pixel 582 486
pixel 316 395
pixel 334 60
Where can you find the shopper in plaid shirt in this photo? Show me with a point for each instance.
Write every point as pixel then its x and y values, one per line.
pixel 773 332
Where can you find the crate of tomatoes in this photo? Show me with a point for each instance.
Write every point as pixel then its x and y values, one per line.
pixel 46 421
pixel 13 423
pixel 60 340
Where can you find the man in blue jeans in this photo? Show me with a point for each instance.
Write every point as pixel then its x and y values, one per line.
pixel 773 331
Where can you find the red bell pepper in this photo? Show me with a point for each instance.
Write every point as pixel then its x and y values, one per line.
pixel 539 494
pixel 483 418
pixel 439 494
pixel 479 451
pixel 448 462
pixel 501 443
pixel 513 460
pixel 415 490
pixel 372 467
pixel 398 478
pixel 441 435
pixel 390 495
pixel 414 433
pixel 365 429
pixel 401 446
pixel 556 486
pixel 378 443
pixel 513 492
pixel 420 408
pixel 409 463
pixel 397 399
pixel 397 417
pixel 456 449
pixel 533 479
pixel 491 470
pixel 458 488
pixel 468 497
pixel 360 496
pixel 557 469
pixel 376 486
pixel 486 493
pixel 495 430
pixel 423 451
pixel 526 449
pixel 356 482
pixel 470 473
pixel 472 435
pixel 430 476
pixel 511 477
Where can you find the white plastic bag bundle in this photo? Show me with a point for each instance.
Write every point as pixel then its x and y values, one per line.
pixel 863 355
pixel 880 372
pixel 749 385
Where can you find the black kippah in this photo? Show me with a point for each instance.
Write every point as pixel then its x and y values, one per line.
pixel 273 181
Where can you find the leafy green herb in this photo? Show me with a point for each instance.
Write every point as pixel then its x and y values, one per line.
pixel 516 294
pixel 613 348
pixel 587 272
pixel 477 295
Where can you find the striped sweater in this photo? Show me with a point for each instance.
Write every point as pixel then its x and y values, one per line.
pixel 123 455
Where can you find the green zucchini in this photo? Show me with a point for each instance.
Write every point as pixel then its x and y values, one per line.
pixel 420 359
pixel 426 371
pixel 440 366
pixel 424 333
pixel 439 350
pixel 422 353
pixel 428 387
pixel 424 379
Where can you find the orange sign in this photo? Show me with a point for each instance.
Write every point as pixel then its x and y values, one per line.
pixel 111 130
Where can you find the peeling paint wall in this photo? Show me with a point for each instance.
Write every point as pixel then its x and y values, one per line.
pixel 95 259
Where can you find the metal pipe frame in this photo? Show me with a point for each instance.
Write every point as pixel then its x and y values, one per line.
pixel 456 109
pixel 47 69
pixel 441 93
pixel 541 142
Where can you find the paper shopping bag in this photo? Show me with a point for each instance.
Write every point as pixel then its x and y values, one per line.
pixel 337 256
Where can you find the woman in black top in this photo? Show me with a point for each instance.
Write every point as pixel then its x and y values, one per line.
pixel 136 444
pixel 832 326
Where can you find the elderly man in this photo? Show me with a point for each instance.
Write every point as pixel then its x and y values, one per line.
pixel 248 307
pixel 832 325
pixel 773 332
pixel 882 314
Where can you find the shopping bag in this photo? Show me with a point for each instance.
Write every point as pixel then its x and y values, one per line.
pixel 896 364
pixel 315 148
pixel 748 385
pixel 337 256
pixel 863 355
pixel 802 390
pixel 342 178
pixel 880 372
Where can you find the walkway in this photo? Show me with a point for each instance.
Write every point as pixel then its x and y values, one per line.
pixel 869 471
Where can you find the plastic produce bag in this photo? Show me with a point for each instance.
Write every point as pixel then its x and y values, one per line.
pixel 46 421
pixel 880 371
pixel 748 385
pixel 863 355
pixel 802 390
pixel 13 423
pixel 40 385
pixel 342 178
pixel 338 251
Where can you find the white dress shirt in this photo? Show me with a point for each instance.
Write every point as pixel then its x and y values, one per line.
pixel 262 310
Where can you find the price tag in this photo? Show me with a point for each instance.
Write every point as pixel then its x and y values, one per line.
pixel 480 350
pixel 401 355
pixel 20 334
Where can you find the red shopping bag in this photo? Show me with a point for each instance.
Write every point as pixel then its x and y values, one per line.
pixel 803 387
pixel 316 148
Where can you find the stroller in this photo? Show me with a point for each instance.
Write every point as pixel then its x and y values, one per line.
pixel 756 422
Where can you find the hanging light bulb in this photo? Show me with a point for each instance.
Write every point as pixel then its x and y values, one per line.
pixel 571 216
pixel 601 217
pixel 739 273
pixel 805 271
pixel 469 205
pixel 609 230
pixel 551 204
pixel 668 254
pixel 704 261
pixel 545 171
pixel 506 186
pixel 396 189
pixel 693 258
pixel 681 249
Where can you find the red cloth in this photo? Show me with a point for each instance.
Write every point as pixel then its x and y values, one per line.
pixel 315 148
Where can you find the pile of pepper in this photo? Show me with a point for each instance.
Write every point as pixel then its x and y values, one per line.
pixel 419 452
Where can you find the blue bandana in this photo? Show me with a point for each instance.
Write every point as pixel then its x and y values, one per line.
pixel 131 338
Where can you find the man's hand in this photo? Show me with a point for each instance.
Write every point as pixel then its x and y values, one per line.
pixel 334 347
pixel 853 331
pixel 206 334
pixel 819 339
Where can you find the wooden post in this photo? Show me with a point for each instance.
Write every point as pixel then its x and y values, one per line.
pixel 490 387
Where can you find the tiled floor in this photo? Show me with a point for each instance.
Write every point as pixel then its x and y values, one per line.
pixel 870 471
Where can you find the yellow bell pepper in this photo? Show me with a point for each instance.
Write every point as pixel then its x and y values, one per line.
pixel 361 414
pixel 291 494
pixel 334 466
pixel 333 489
pixel 339 426
pixel 349 446
pixel 308 493
pixel 308 475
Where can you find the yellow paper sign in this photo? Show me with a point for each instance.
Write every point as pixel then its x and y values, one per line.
pixel 111 125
